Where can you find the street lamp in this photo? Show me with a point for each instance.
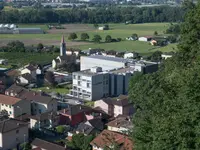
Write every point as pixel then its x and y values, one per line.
pixel 21 112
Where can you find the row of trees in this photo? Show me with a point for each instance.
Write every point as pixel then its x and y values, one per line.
pixel 97 38
pixel 98 15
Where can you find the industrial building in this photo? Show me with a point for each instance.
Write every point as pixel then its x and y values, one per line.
pixel 13 29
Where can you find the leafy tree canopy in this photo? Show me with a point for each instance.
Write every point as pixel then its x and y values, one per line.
pixel 167 101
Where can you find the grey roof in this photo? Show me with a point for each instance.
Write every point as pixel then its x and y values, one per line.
pixel 122 100
pixel 15 88
pixel 46 145
pixel 116 59
pixel 84 128
pixel 87 72
pixel 11 124
pixel 31 67
pixel 44 116
pixel 123 70
pixel 28 77
pixel 97 123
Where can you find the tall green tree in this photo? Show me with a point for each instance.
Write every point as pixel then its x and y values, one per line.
pixel 97 38
pixel 72 36
pixel 167 102
pixel 80 142
pixel 108 39
pixel 84 36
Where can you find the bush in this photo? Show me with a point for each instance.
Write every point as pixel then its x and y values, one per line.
pixel 60 129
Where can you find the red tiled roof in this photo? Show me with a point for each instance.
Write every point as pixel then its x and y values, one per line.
pixel 8 100
pixel 107 138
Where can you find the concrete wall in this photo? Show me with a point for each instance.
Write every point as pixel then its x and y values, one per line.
pixel 118 110
pixel 8 108
pixel 102 105
pixel 12 138
pixel 25 108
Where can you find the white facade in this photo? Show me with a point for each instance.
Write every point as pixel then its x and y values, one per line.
pixel 106 63
pixel 144 39
pixel 90 86
pixel 23 80
pixel 33 73
pixel 11 139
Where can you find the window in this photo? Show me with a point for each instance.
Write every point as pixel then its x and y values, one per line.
pixel 40 111
pixel 17 131
pixel 79 77
pixel 88 85
pixel 74 76
pixel 79 83
pixel 2 104
pixel 10 106
pixel 6 105
pixel 52 105
pixel 10 112
pixel 35 110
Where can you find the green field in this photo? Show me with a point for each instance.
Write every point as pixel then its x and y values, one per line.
pixel 116 31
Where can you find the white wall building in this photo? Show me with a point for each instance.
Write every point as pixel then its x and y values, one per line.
pixel 145 39
pixel 106 63
pixel 90 84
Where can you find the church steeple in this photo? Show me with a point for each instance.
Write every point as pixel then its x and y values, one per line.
pixel 62 47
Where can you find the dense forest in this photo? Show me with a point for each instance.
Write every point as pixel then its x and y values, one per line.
pixel 168 101
pixel 98 15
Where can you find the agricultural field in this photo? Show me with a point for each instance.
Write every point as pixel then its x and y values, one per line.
pixel 53 36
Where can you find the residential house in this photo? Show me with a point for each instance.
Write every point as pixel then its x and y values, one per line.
pixel 121 124
pixel 39 144
pixel 115 106
pixel 91 51
pixel 40 103
pixel 107 139
pixel 71 52
pixel 3 61
pixel 93 126
pixel 131 55
pixel 26 79
pixel 14 106
pixel 145 38
pixel 153 42
pixel 14 90
pixel 33 70
pixel 44 120
pixel 5 82
pixel 73 115
pixel 13 133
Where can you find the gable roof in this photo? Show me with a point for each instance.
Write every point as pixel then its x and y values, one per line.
pixel 96 123
pixel 75 109
pixel 44 116
pixel 28 77
pixel 46 145
pixel 11 124
pixel 107 138
pixel 31 67
pixel 121 121
pixel 8 100
pixel 85 128
pixel 15 88
pixel 122 100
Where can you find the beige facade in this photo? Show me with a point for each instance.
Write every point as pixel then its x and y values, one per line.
pixel 11 139
pixel 19 108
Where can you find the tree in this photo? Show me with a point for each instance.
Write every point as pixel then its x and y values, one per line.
pixel 156 56
pixel 97 38
pixel 84 36
pixel 40 46
pixel 60 129
pixel 16 46
pixel 80 142
pixel 96 26
pixel 155 33
pixel 172 38
pixel 25 146
pixel 167 102
pixel 134 36
pixel 72 36
pixel 108 39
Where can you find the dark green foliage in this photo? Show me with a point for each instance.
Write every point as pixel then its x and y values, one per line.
pixel 174 29
pixel 84 36
pixel 155 33
pixel 167 101
pixel 96 25
pixel 156 56
pixel 40 46
pixel 25 146
pixel 108 39
pixel 72 36
pixel 80 142
pixel 93 16
pixel 60 129
pixel 172 38
pixel 16 46
pixel 97 38
pixel 134 36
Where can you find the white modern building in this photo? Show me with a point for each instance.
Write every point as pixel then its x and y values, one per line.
pixel 90 84
pixel 145 38
pixel 106 63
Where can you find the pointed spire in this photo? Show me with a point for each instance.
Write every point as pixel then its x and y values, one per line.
pixel 63 39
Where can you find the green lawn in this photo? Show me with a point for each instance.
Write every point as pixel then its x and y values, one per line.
pixel 25 58
pixel 50 89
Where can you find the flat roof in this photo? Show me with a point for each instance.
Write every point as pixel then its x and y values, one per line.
pixel 116 59
pixel 123 70
pixel 88 72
